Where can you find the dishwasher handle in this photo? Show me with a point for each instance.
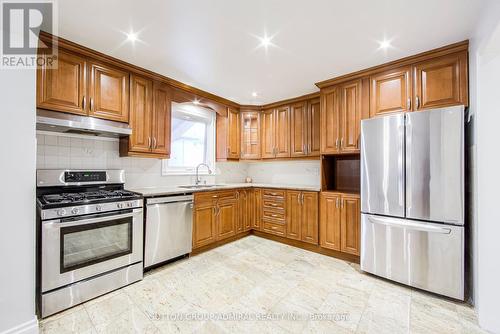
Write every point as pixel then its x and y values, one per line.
pixel 171 199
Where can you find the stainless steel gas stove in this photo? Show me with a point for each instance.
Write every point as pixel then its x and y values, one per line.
pixel 89 236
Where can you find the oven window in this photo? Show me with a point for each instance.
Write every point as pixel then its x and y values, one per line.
pixel 84 245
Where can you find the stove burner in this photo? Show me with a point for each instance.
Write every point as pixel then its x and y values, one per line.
pixel 87 196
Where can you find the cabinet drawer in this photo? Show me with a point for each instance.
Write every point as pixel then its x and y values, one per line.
pixel 274 228
pixel 274 193
pixel 273 204
pixel 205 197
pixel 273 214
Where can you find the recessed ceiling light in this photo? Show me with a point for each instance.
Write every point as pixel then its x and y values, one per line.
pixel 384 44
pixel 265 41
pixel 254 94
pixel 196 101
pixel 132 36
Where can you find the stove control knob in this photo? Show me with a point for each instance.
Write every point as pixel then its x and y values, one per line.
pixel 75 211
pixel 129 204
pixel 119 205
pixel 98 208
pixel 61 212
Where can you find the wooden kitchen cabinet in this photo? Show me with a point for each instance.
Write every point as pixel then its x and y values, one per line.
pixel 275 133
pixel 268 136
pixel 350 116
pixel 161 120
pixel 390 91
pixel 441 82
pixel 204 223
pixel 245 210
pixel 293 214
pixel 329 227
pixel 257 212
pixel 65 87
pixel 302 216
pixel 313 133
pixel 350 224
pixel 227 215
pixel 250 135
pixel 150 120
pixel 330 119
pixel 228 136
pixel 298 129
pixel 108 92
pixel 340 222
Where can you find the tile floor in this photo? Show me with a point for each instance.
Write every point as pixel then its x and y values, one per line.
pixel 255 277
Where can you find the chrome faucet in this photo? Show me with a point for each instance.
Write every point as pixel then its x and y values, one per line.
pixel 198 181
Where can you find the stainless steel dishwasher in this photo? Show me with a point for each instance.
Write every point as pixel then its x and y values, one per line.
pixel 169 226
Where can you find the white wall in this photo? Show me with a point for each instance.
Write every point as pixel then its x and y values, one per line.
pixel 485 93
pixel 304 172
pixel 79 151
pixel 17 201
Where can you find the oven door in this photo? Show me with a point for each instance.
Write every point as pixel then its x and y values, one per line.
pixel 77 248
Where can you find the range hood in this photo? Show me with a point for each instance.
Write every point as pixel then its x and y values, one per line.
pixel 47 120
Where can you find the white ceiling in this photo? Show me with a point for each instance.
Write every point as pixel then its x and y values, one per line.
pixel 211 44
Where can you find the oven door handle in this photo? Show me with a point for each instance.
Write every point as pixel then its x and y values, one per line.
pixel 86 221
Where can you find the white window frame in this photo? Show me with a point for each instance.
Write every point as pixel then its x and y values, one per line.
pixel 200 113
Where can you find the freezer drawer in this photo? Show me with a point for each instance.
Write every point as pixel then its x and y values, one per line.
pixel 382 165
pixel 435 165
pixel 169 228
pixel 423 255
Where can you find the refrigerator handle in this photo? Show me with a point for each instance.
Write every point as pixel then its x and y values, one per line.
pixel 402 164
pixel 409 225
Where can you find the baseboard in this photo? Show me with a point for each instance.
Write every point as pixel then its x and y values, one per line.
pixel 220 243
pixel 28 327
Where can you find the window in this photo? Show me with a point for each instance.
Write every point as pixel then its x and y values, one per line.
pixel 193 140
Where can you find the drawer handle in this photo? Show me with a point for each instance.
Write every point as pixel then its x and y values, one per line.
pixel 274 215
pixel 274 228
pixel 274 204
pixel 215 196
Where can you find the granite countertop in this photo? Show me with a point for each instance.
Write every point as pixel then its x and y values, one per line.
pixel 172 190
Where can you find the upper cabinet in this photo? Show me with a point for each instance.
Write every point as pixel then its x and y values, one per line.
pixel 341 113
pixel 80 85
pixel 433 83
pixel 275 133
pixel 250 135
pixel 108 92
pixel 313 127
pixel 298 131
pixel 64 88
pixel 228 136
pixel 441 82
pixel 150 117
pixel 390 92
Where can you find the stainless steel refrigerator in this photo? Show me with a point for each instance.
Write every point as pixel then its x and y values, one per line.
pixel 412 199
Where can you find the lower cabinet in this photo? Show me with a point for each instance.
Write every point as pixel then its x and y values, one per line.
pixel 245 210
pixel 204 224
pixel 226 218
pixel 302 216
pixel 257 210
pixel 340 222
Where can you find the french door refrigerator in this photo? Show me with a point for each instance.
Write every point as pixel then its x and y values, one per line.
pixel 412 199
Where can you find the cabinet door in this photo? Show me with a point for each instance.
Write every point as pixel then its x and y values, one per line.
pixel 249 210
pixel 282 132
pixel 293 214
pixel 242 210
pixel 309 228
pixel 350 113
pixel 390 92
pixel 227 215
pixel 441 82
pixel 298 129
pixel 109 89
pixel 257 209
pixel 63 88
pixel 267 134
pixel 161 120
pixel 350 224
pixel 329 230
pixel 313 127
pixel 140 114
pixel 204 224
pixel 329 120
pixel 233 149
pixel 221 137
pixel 250 135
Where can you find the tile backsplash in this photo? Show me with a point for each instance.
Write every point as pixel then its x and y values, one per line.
pixel 55 150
